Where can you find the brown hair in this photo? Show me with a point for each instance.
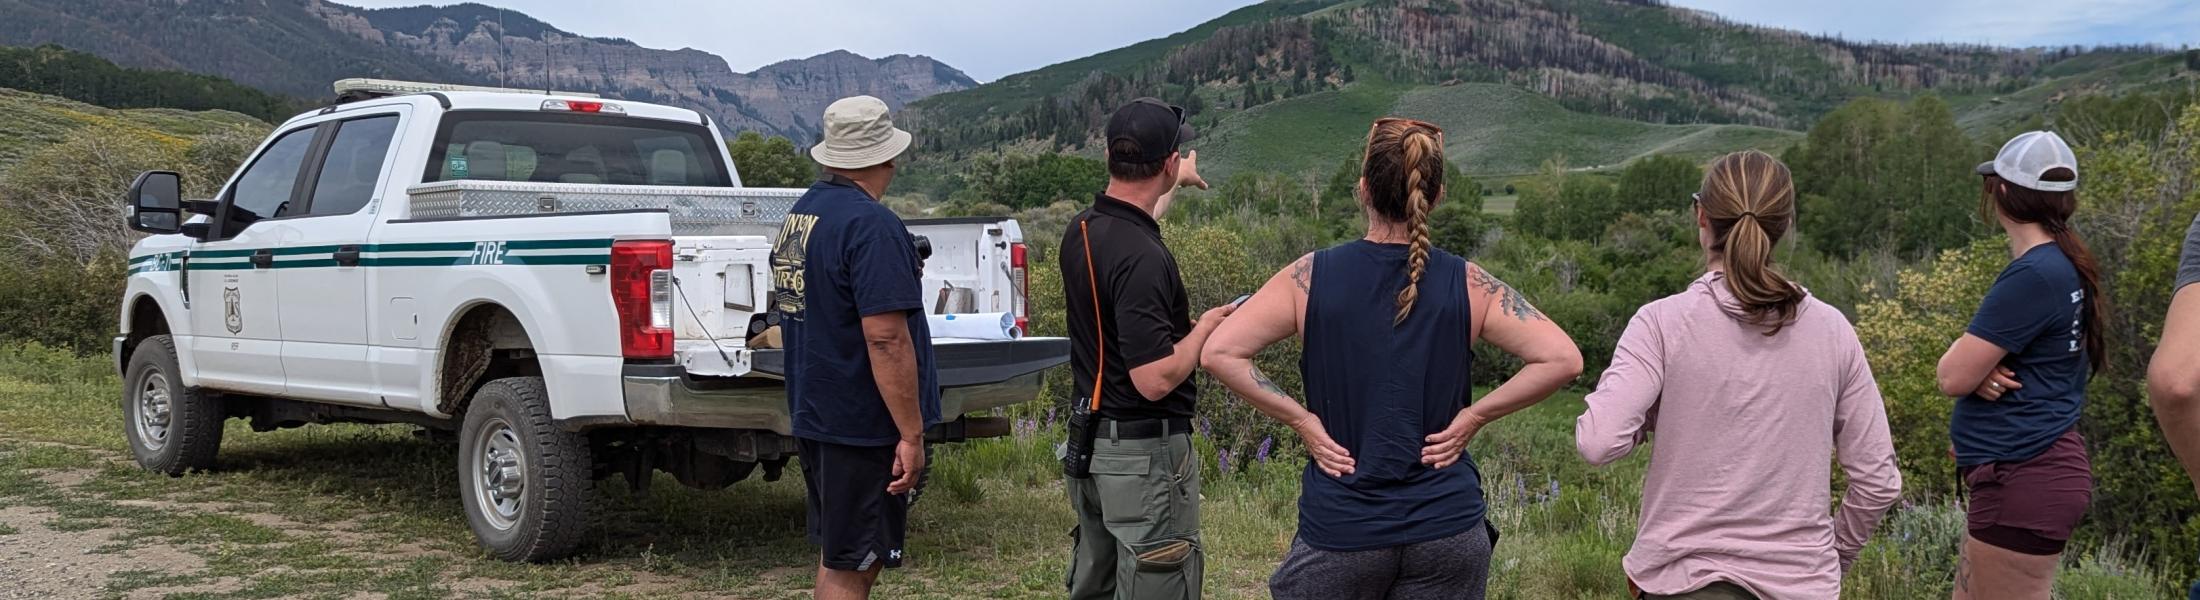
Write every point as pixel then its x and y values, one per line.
pixel 1404 171
pixel 1748 198
pixel 1131 171
pixel 2052 211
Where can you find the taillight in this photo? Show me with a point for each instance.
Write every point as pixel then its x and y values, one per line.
pixel 641 290
pixel 1017 274
pixel 583 106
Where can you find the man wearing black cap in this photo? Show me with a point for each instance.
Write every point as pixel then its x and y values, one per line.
pixel 1134 347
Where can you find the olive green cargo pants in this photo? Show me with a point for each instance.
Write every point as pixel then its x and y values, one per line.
pixel 1137 535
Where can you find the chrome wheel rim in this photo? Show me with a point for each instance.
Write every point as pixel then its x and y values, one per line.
pixel 152 408
pixel 499 474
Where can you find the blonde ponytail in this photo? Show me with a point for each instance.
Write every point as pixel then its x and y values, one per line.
pixel 1749 199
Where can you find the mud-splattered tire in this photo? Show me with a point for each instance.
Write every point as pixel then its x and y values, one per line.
pixel 524 481
pixel 171 428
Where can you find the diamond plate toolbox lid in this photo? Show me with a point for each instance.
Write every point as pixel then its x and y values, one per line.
pixel 694 210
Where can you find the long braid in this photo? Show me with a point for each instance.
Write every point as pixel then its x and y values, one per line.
pixel 1419 146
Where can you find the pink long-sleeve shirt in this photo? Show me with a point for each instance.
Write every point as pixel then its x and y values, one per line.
pixel 1746 428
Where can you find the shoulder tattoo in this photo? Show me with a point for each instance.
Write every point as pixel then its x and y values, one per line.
pixel 1302 272
pixel 1508 299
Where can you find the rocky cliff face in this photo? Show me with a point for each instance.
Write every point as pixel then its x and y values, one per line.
pixel 298 47
pixel 785 98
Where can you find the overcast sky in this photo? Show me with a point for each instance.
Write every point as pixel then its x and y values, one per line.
pixel 992 38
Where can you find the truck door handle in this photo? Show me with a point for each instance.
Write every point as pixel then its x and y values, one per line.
pixel 263 258
pixel 347 256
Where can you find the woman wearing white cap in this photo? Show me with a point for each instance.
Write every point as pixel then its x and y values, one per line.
pixel 2019 374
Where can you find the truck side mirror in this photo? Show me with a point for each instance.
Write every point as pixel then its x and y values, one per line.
pixel 155 202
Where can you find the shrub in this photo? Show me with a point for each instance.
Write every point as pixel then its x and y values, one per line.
pixel 1904 334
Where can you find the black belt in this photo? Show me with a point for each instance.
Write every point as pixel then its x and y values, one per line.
pixel 1143 429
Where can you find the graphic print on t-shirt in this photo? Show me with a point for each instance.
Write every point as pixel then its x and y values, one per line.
pixel 2077 320
pixel 789 257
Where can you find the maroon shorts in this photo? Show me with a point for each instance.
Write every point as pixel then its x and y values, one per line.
pixel 2031 506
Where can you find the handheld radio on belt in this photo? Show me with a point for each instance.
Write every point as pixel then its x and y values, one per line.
pixel 1077 450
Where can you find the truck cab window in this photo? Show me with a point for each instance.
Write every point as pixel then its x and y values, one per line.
pixel 264 190
pixel 354 166
pixel 574 148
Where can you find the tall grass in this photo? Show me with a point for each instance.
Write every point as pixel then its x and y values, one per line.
pixel 992 523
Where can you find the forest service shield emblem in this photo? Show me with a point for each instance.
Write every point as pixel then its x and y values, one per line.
pixel 231 298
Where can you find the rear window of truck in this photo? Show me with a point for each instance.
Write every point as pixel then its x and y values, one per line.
pixel 573 148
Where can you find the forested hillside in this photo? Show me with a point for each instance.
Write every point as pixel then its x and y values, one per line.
pixel 1632 59
pixel 58 71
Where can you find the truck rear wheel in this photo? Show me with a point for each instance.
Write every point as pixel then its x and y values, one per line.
pixel 525 482
pixel 172 428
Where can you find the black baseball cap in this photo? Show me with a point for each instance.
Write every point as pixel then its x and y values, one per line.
pixel 1155 127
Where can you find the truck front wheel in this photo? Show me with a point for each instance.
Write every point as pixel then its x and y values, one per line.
pixel 172 428
pixel 525 481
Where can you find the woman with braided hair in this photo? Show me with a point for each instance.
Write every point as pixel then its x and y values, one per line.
pixel 1390 505
pixel 1755 389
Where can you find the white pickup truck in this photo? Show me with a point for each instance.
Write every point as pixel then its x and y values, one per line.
pixel 579 288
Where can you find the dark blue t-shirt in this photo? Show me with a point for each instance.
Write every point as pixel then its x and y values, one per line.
pixel 1380 390
pixel 841 257
pixel 2035 311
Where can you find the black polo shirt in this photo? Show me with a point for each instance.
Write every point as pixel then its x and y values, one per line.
pixel 1141 298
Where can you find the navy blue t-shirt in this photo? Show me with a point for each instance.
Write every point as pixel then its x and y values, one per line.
pixel 841 257
pixel 2035 311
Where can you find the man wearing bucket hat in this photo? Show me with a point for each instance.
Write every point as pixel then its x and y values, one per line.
pixel 1131 473
pixel 847 277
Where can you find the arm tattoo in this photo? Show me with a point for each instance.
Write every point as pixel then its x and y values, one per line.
pixel 1509 299
pixel 1303 273
pixel 1266 384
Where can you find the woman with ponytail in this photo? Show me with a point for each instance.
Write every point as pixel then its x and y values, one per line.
pixel 1754 389
pixel 1390 506
pixel 2019 374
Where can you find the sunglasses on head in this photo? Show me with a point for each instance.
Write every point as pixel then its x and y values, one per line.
pixel 1174 134
pixel 1409 123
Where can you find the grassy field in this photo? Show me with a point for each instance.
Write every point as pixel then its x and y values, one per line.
pixel 36 120
pixel 336 511
pixel 1993 115
pixel 1490 130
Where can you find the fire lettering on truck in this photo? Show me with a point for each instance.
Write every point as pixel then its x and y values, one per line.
pixel 789 257
pixel 488 253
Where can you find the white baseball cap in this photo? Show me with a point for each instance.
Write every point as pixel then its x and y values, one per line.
pixel 2028 156
pixel 859 134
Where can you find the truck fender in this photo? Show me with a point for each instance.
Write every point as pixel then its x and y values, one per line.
pixel 148 310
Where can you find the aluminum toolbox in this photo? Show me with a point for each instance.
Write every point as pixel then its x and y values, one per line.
pixel 694 210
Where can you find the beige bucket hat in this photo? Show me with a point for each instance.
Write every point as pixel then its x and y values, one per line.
pixel 859 134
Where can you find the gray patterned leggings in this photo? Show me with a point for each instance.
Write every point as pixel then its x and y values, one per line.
pixel 1457 567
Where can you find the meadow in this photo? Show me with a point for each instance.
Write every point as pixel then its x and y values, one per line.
pixel 1491 130
pixel 342 510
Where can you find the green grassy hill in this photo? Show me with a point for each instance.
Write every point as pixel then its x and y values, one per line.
pixel 1490 130
pixel 1291 85
pixel 2108 74
pixel 35 120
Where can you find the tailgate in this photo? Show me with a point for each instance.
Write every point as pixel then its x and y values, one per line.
pixel 963 363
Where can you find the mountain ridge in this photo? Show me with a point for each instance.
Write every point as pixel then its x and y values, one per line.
pixel 1641 60
pixel 298 47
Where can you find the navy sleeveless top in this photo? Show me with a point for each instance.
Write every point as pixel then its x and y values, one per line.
pixel 1380 390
